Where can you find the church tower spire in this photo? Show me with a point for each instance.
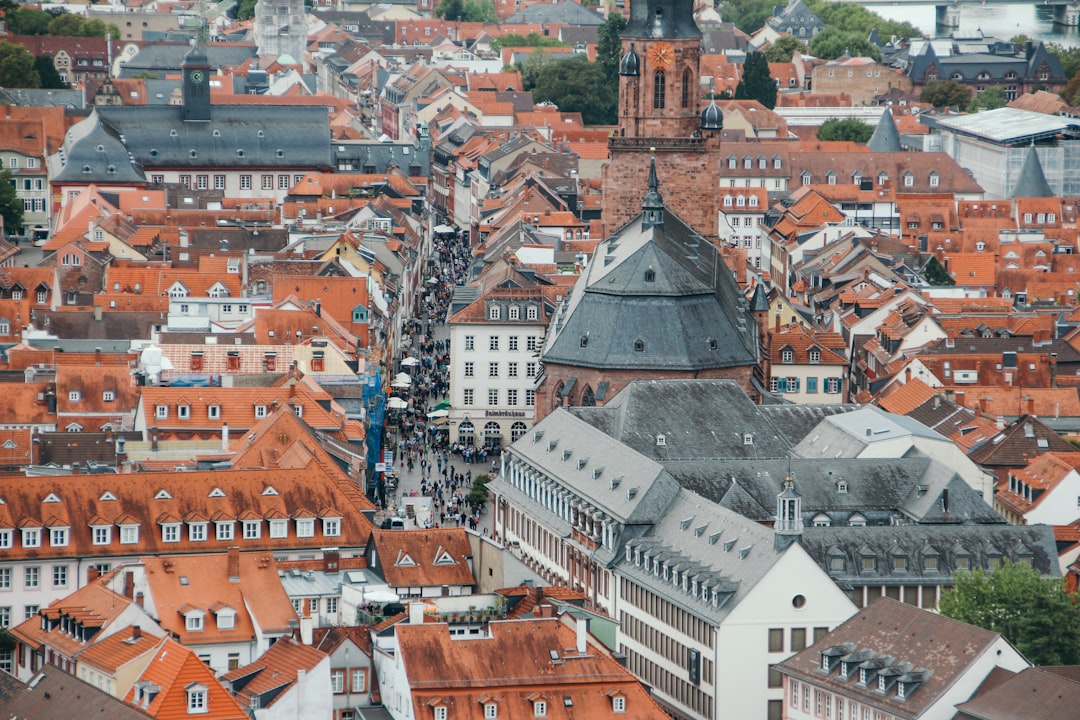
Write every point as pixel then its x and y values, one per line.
pixel 788 526
pixel 652 205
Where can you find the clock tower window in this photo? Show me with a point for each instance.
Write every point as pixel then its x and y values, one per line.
pixel 659 90
pixel 686 88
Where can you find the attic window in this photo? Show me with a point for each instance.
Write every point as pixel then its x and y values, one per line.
pixel 712 343
pixel 193 154
pixel 280 153
pixel 661 440
pixel 650 275
pixel 172 133
pixel 216 133
pixel 748 439
pixel 585 340
pixel 239 152
pixel 639 346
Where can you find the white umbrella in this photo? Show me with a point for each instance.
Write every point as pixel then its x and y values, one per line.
pixel 438 413
pixel 381 596
pixel 409 362
pixel 403 377
pixel 398 385
pixel 396 404
pixel 443 229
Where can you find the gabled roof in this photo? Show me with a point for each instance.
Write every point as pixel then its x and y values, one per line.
pixel 172 672
pixel 919 640
pixel 423 558
pixel 1032 694
pixel 273 673
pixel 1017 444
pixel 53 694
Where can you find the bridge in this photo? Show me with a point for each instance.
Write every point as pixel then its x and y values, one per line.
pixel 1066 12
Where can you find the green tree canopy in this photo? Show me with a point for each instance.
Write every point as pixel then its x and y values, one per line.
pixel 1035 614
pixel 17 67
pixel 69 25
pixel 991 98
pixel 782 50
pixel 574 85
pixel 756 82
pixel 609 47
pixel 935 274
pixel 245 10
pixel 27 21
pixel 11 208
pixel 945 93
pixel 748 15
pixel 849 17
pixel 832 43
pixel 467 10
pixel 847 129
pixel 478 492
pixel 47 74
pixel 533 39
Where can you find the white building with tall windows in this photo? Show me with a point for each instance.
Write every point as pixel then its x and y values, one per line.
pixel 495 364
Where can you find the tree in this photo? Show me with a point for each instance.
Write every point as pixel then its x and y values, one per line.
pixel 533 39
pixel 11 208
pixel 936 274
pixel 748 15
pixel 991 98
pixel 945 93
pixel 573 84
pixel 847 129
pixel 467 10
pixel 609 47
pixel 832 43
pixel 756 82
pixel 1069 57
pixel 17 67
pixel 246 9
pixel 478 492
pixel 47 74
pixel 783 49
pixel 66 25
pixel 1034 613
pixel 847 17
pixel 26 21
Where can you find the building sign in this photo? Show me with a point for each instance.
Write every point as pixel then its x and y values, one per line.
pixel 504 413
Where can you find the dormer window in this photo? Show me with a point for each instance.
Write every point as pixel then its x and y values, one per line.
pixel 539 708
pixel 650 275
pixel 748 439
pixel 618 704
pixel 787 356
pixel 513 312
pixel 815 356
pixel 225 618
pixel 494 312
pixel 193 621
pixel 863 675
pixel 843 670
pixel 491 711
pixel 900 691
pixel 196 699
pixel 824 662
pixel 440 712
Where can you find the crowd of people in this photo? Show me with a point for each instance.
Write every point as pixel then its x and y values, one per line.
pixel 418 442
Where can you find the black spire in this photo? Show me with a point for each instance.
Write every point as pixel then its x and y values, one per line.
pixel 652 205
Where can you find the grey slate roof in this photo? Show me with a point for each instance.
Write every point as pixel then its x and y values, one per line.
pixel 918 542
pixel 58 695
pixel 1031 182
pixel 563 13
pixel 662 19
pixel 381 156
pixel 92 152
pixel 658 297
pixel 849 434
pixel 34 97
pixel 169 57
pixel 886 137
pixel 720 549
pixel 157 136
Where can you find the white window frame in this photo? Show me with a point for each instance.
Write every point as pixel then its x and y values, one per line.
pixel 279 529
pixel 305 527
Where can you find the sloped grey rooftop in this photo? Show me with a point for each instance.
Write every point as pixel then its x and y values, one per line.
pixel 248 135
pixel 93 152
pixel 1006 125
pixel 1031 182
pixel 656 297
pixel 886 137
pixel 849 434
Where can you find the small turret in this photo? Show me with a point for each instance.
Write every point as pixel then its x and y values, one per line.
pixel 652 205
pixel 788 526
pixel 630 64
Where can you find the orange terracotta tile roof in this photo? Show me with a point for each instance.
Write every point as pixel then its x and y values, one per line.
pixel 117 650
pixel 180 583
pixel 173 670
pixel 96 606
pixel 238 407
pixel 465 674
pixel 423 558
pixel 275 670
pixel 903 398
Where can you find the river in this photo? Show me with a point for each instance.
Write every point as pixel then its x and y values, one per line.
pixel 1003 21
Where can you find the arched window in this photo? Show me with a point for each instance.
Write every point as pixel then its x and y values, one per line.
pixel 686 88
pixel 659 90
pixel 466 433
pixel 517 430
pixel 492 435
pixel 588 398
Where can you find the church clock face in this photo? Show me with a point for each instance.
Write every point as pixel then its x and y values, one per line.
pixel 196 76
pixel 660 56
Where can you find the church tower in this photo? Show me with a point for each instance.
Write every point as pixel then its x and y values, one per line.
pixel 658 75
pixel 196 86
pixel 659 110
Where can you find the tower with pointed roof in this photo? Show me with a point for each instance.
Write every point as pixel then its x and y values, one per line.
pixel 196 86
pixel 1031 183
pixel 660 111
pixel 886 137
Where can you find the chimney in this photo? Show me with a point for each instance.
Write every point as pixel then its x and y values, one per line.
pixel 92 574
pixel 224 437
pixel 945 501
pixel 153 439
pixel 545 610
pixel 331 560
pixel 1030 402
pixel 984 405
pixel 1053 370
pixel 234 564
pixel 416 613
pixel 97 313
pixel 139 599
pixel 74 468
pixel 582 627
pixel 950 339
pixel 136 632
pixel 907 374
pixel 129 585
pixel 318 308
pixel 97 356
